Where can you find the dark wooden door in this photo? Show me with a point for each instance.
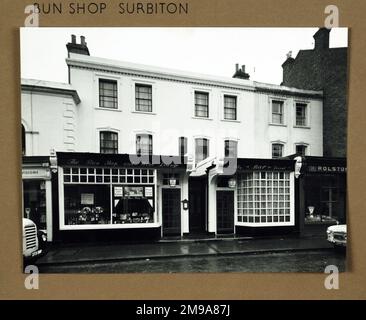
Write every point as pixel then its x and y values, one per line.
pixel 171 211
pixel 197 205
pixel 225 211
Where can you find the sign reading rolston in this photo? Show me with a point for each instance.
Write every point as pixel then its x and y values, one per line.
pixel 327 169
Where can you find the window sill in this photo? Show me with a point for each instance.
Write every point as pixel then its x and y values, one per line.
pixel 278 125
pixel 144 112
pixel 108 109
pixel 302 127
pixel 228 120
pixel 201 118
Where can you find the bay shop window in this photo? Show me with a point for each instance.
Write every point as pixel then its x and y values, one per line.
pixel 265 198
pixel 95 197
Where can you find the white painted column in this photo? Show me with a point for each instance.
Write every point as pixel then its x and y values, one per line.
pixel 48 184
pixel 212 185
pixel 184 213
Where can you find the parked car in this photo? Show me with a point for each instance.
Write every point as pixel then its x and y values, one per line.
pixel 30 240
pixel 337 235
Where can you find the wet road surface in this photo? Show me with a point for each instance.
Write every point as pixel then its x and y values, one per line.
pixel 303 261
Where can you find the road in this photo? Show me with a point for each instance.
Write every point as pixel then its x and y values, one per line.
pixel 301 261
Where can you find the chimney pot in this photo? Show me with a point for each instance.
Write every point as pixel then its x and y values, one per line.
pixel 243 68
pixel 82 41
pixel 236 67
pixel 73 38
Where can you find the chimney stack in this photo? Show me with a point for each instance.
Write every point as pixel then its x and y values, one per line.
pixel 79 48
pixel 240 72
pixel 321 38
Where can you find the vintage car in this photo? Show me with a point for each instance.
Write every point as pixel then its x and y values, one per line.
pixel 30 240
pixel 337 235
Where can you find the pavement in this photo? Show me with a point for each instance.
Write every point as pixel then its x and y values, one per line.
pixel 112 252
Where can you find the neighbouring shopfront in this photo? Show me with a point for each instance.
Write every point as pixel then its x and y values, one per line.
pixel 37 192
pixel 322 186
pixel 108 196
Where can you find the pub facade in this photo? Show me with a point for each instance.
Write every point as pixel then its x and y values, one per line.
pixel 139 152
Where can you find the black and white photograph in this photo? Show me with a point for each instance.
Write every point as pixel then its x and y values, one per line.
pixel 184 150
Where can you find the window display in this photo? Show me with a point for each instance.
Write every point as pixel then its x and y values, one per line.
pixel 264 197
pixel 108 196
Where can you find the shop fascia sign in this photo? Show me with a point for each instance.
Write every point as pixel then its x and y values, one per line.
pixel 36 173
pixel 326 169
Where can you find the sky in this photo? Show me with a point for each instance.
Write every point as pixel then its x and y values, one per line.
pixel 212 51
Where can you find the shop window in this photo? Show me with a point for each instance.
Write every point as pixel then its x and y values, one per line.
pixel 277 112
pixel 133 204
pixel 301 111
pixel 143 96
pixel 201 104
pixel 108 96
pixel 87 204
pixel 301 149
pixel 144 144
pixel 108 142
pixel 183 142
pixel 201 149
pixel 170 178
pixel 23 141
pixel 34 202
pixel 264 197
pixel 100 175
pixel 277 150
pixel 229 107
pixel 231 149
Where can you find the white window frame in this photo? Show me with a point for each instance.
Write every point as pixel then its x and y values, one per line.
pixel 222 106
pixel 231 139
pixel 62 225
pixel 284 111
pixel 107 76
pixel 99 129
pixel 283 147
pixel 307 145
pixel 153 96
pixel 210 111
pixel 271 224
pixel 307 114
pixel 194 147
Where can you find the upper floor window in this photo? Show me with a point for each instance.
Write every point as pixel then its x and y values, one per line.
pixel 182 146
pixel 231 149
pixel 301 114
pixel 277 112
pixel 229 107
pixel 277 150
pixel 108 142
pixel 108 97
pixel 144 144
pixel 201 104
pixel 301 149
pixel 143 96
pixel 201 149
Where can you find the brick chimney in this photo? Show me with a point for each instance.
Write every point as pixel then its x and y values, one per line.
pixel 321 38
pixel 240 72
pixel 79 48
pixel 287 66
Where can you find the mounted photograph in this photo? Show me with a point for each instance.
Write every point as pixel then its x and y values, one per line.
pixel 173 150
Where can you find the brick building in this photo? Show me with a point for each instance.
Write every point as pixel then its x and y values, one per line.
pixel 324 68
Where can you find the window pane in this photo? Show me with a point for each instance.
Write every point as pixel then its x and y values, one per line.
pixel 201 151
pixel 182 146
pixel 108 142
pixel 229 107
pixel 277 112
pixel 201 104
pixel 231 149
pixel 144 144
pixel 108 94
pixel 143 95
pixel 300 114
pixel 277 150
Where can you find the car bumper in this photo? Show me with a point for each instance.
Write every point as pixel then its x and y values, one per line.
pixel 337 240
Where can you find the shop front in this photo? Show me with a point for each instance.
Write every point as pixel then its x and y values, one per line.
pixel 37 193
pixel 259 199
pixel 322 186
pixel 110 197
